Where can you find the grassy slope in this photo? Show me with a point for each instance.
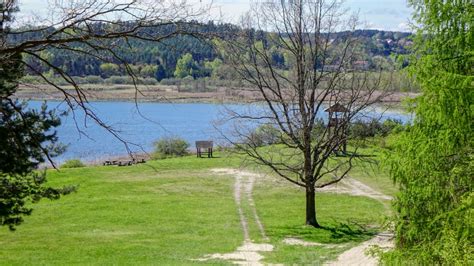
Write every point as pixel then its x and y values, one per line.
pixel 373 171
pixel 348 220
pixel 172 211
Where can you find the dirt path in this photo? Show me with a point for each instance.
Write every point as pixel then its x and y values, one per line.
pixel 249 253
pixel 356 188
pixel 357 255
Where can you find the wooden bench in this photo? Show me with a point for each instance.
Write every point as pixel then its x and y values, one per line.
pixel 204 147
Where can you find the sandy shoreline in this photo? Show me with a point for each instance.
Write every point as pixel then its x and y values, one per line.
pixel 161 94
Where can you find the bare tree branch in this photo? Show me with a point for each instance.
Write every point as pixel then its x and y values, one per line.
pixel 97 28
pixel 319 72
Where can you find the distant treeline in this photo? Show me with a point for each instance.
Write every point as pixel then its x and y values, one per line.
pixel 182 56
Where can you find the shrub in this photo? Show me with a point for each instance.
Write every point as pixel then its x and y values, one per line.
pixel 32 79
pixel 265 135
pixel 362 130
pixel 118 80
pixel 391 126
pixel 366 129
pixel 79 80
pixel 170 147
pixel 73 163
pixel 148 81
pixel 93 80
pixel 318 129
pixel 169 81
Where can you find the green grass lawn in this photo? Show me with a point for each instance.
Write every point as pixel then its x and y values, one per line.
pixel 173 211
pixel 373 170
pixel 348 220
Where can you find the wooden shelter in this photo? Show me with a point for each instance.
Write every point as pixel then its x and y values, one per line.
pixel 204 147
pixel 336 122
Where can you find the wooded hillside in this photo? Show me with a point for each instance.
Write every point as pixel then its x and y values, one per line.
pixel 183 56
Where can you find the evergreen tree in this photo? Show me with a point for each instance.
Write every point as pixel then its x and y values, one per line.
pixel 26 140
pixel 160 73
pixel 433 159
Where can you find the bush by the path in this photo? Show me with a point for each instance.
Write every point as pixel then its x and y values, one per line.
pixel 170 147
pixel 367 129
pixel 73 163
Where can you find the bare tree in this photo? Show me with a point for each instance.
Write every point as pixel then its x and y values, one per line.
pixel 319 71
pixel 92 28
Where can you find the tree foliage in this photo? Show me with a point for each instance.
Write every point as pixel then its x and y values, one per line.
pixel 433 159
pixel 185 66
pixel 27 138
pixel 377 47
pixel 109 69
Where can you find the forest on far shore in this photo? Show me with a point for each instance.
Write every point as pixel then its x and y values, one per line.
pixel 184 56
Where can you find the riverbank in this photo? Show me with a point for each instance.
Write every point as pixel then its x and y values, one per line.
pixel 140 127
pixel 162 93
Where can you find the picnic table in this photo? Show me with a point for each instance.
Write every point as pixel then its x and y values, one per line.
pixel 123 162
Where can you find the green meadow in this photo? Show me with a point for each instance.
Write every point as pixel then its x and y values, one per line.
pixel 176 211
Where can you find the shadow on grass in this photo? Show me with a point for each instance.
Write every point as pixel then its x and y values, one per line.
pixel 353 154
pixel 349 232
pixel 330 233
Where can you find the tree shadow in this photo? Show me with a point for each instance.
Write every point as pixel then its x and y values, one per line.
pixel 353 154
pixel 330 233
pixel 345 231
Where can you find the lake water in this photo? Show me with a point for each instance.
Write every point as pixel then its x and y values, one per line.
pixel 143 126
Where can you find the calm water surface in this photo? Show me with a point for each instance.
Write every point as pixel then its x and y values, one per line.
pixel 143 126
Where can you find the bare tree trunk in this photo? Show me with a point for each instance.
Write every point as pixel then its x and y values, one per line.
pixel 311 207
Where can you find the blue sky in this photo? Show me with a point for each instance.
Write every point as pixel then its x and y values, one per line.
pixel 377 14
pixel 383 14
